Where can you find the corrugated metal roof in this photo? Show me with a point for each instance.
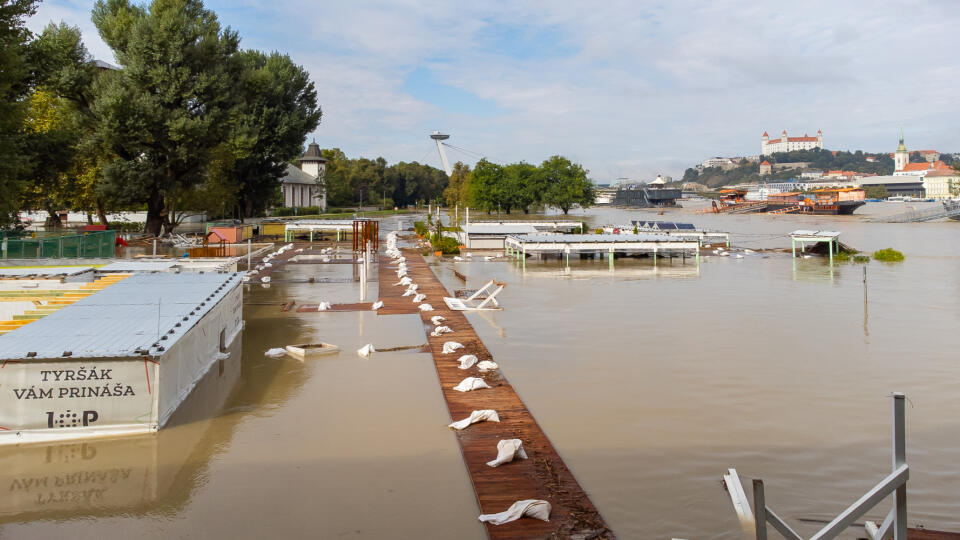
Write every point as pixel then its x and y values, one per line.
pixel 138 266
pixel 594 238
pixel 495 228
pixel 45 272
pixel 126 317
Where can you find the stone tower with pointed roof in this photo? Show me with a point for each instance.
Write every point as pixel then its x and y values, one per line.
pixel 901 157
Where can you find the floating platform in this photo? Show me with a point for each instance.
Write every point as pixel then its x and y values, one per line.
pixel 651 244
pixel 544 475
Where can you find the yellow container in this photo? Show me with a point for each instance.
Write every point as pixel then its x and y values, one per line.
pixel 273 228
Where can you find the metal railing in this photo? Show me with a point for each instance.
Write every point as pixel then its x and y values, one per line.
pixel 894 525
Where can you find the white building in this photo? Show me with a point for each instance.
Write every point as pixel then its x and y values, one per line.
pixel 789 144
pixel 304 186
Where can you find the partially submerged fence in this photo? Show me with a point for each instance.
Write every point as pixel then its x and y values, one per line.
pixel 895 524
pixel 72 246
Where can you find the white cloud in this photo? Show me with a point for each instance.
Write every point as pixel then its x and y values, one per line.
pixel 628 88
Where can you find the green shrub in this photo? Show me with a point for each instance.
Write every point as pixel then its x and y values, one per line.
pixel 282 211
pixel 861 259
pixel 888 255
pixel 420 228
pixel 447 245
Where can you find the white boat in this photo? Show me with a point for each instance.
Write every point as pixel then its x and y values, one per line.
pixel 310 350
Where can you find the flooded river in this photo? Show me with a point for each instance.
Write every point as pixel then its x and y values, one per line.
pixel 650 382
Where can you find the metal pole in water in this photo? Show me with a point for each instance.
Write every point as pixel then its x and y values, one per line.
pixel 759 509
pixel 899 459
pixel 249 247
pixel 154 247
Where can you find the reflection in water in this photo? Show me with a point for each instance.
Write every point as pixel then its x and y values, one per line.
pixel 101 477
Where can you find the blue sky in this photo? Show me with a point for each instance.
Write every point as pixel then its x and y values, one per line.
pixel 629 89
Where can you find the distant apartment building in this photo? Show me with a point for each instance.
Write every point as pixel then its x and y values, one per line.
pixel 789 144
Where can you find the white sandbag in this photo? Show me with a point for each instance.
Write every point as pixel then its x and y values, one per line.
pixel 533 508
pixel 366 350
pixel 418 298
pixel 487 365
pixel 408 292
pixel 471 383
pixel 489 258
pixel 377 305
pixel 467 361
pixel 404 281
pixel 451 346
pixel 437 319
pixel 246 279
pixel 425 307
pixel 748 251
pixel 485 415
pixel 275 352
pixel 458 258
pixel 265 279
pixel 253 272
pixel 323 306
pixel 440 330
pixel 413 287
pixel 268 265
pixel 507 451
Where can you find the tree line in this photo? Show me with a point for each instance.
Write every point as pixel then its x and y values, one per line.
pixel 187 120
pixel 359 181
pixel 521 186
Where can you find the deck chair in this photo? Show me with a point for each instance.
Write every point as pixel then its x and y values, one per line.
pixel 473 303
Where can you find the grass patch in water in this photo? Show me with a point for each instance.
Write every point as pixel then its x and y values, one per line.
pixel 888 255
pixel 861 259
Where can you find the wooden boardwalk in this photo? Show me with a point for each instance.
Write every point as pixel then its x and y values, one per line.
pixel 544 475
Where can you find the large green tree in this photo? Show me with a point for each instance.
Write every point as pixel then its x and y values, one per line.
pixel 488 185
pixel 458 188
pixel 566 184
pixel 169 106
pixel 58 119
pixel 15 84
pixel 277 110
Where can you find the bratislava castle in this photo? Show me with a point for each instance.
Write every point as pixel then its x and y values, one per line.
pixel 789 144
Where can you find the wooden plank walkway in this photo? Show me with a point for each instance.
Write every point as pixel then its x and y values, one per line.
pixel 544 475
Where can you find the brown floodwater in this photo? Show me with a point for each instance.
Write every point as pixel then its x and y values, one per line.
pixel 650 382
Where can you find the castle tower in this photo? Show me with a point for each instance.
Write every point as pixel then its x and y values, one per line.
pixel 819 139
pixel 901 157
pixel 763 143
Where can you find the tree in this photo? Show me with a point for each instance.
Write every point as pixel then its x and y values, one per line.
pixel 15 82
pixel 876 192
pixel 523 186
pixel 566 184
pixel 458 189
pixel 277 110
pixel 487 185
pixel 162 115
pixel 58 118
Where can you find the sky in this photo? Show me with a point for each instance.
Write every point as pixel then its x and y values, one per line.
pixel 629 89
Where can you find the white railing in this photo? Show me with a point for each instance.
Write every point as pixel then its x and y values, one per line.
pixel 894 525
